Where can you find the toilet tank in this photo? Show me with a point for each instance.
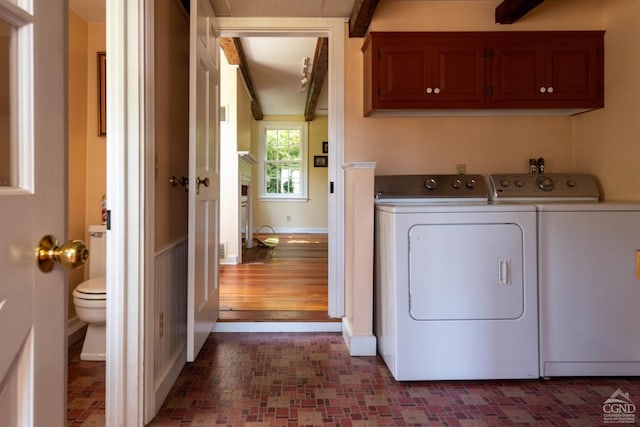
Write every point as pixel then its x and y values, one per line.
pixel 97 250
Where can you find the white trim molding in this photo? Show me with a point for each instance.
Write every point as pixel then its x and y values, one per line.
pixel 358 345
pixel 127 198
pixel 257 327
pixel 334 29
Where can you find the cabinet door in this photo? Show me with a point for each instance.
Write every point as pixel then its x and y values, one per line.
pixel 457 72
pixel 402 72
pixel 556 71
pixel 572 72
pixel 518 72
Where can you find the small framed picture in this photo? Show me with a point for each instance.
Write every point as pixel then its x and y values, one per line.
pixel 320 161
pixel 325 146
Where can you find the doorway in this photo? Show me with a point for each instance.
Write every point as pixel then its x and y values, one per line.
pixel 281 272
pixel 334 30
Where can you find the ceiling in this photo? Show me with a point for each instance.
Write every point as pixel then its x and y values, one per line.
pixel 276 64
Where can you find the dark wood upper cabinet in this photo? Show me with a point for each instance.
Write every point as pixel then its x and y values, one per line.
pixel 483 70
pixel 549 70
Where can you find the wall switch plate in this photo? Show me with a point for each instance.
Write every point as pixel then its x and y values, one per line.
pixel 461 168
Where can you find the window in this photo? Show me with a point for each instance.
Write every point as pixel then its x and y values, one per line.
pixel 283 160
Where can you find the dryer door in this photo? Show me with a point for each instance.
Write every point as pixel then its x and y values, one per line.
pixel 466 272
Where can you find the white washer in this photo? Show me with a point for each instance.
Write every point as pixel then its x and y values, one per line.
pixel 589 274
pixel 589 289
pixel 455 282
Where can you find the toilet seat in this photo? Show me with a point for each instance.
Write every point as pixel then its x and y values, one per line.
pixel 92 289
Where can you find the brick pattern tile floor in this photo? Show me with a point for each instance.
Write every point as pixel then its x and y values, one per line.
pixel 310 379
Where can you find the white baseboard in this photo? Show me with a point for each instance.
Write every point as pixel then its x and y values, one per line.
pixel 277 327
pixel 230 260
pixel 294 230
pixel 75 330
pixel 168 378
pixel 359 345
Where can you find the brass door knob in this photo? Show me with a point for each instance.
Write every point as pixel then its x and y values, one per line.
pixel 71 254
pixel 199 181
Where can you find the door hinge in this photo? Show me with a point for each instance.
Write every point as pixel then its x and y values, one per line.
pixel 330 187
pixel 108 219
pixel 488 91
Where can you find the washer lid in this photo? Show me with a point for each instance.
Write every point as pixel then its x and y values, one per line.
pixel 97 285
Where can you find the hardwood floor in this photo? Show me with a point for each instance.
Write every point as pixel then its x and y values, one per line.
pixel 291 286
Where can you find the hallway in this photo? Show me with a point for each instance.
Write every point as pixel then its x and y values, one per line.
pixel 285 283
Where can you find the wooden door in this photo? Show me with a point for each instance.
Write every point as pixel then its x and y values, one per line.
pixel 403 72
pixel 518 72
pixel 572 72
pixel 33 311
pixel 204 177
pixel 458 71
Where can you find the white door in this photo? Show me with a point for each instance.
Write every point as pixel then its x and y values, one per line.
pixel 33 127
pixel 204 176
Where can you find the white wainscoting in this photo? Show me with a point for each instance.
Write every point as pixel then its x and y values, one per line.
pixel 170 295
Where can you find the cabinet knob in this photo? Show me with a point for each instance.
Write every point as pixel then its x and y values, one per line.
pixel 550 89
pixel 543 89
pixel 429 90
pixel 436 90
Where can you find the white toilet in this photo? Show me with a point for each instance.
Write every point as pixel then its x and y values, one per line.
pixel 90 297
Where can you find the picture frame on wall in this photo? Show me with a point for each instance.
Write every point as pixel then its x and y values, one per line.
pixel 102 93
pixel 325 146
pixel 320 161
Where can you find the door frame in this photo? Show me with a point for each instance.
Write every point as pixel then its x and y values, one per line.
pixel 129 249
pixel 334 29
pixel 130 154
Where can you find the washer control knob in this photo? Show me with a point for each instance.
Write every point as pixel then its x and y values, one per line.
pixel 456 183
pixel 431 184
pixel 471 183
pixel 571 183
pixel 505 183
pixel 519 183
pixel 544 183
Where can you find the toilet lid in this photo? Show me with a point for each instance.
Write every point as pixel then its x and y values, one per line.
pixel 97 285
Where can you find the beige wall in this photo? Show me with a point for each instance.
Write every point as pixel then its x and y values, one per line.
pixel 78 58
pixel 607 142
pixel 86 152
pixel 484 144
pixel 171 121
pixel 96 177
pixel 309 216
pixel 246 123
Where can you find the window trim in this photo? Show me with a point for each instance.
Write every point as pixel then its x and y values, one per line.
pixel 265 125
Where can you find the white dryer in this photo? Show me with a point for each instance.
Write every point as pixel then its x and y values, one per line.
pixel 455 282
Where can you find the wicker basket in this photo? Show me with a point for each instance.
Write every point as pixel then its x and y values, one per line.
pixel 269 242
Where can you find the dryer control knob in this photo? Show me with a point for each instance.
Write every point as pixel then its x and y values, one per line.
pixel 431 184
pixel 505 183
pixel 471 183
pixel 544 183
pixel 456 184
pixel 519 183
pixel 571 183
